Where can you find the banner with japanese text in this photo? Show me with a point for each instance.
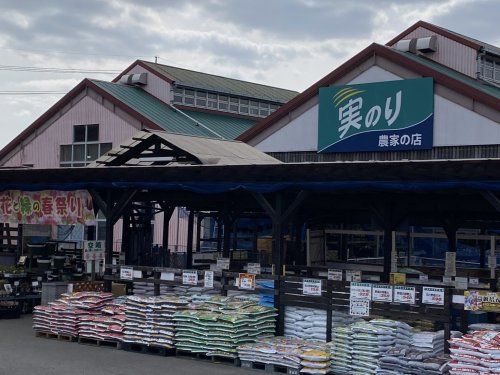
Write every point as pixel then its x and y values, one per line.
pixel 47 207
pixel 382 116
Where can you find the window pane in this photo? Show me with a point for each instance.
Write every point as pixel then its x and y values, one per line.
pixel 201 94
pixel 76 165
pixel 274 106
pixel 264 105
pixel 254 111
pixel 79 153
pixel 189 92
pixel 188 100
pixel 178 90
pixel 105 147
pixel 212 104
pixel 79 133
pixel 92 133
pixel 177 99
pixel 212 96
pixel 244 101
pixel 254 104
pixel 233 107
pixel 264 112
pixel 101 230
pixel 497 72
pixel 201 102
pixel 243 109
pixel 234 100
pixel 223 106
pixel 92 152
pixel 223 98
pixel 65 153
pixel 90 233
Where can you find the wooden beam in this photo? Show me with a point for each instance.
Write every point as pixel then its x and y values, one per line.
pixel 99 201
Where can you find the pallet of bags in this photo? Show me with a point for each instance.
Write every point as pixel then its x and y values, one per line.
pixel 315 358
pixel 276 351
pixel 341 349
pixel 476 353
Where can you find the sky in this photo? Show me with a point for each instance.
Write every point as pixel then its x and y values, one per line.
pixel 284 43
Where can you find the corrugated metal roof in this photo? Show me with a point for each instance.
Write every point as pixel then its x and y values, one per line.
pixel 477 84
pixel 173 120
pixel 211 82
pixel 227 126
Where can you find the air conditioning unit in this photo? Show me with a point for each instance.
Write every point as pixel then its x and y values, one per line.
pixel 426 45
pixel 423 45
pixel 135 79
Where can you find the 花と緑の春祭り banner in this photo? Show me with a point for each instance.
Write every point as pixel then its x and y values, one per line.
pixel 382 116
pixel 47 207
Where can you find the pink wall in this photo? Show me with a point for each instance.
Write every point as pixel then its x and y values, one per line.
pixel 156 86
pixel 450 53
pixel 43 150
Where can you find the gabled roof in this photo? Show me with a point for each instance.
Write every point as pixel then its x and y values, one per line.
pixel 162 148
pixel 214 83
pixel 463 39
pixel 150 111
pixel 468 86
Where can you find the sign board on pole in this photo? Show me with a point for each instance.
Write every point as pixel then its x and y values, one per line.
pixel 382 116
pixel 361 291
pixel 381 293
pixel 404 294
pixel 253 268
pixel 93 250
pixel 246 281
pixel 190 277
pixel 335 275
pixel 311 287
pixel 127 273
pixel 353 275
pixel 208 279
pixel 433 296
pixel 359 308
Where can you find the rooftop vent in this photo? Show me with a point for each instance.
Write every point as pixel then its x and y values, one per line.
pixel 423 45
pixel 135 79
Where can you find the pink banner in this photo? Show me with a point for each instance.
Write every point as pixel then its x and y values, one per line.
pixel 48 207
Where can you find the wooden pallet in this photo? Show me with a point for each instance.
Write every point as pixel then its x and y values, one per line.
pixel 268 367
pixel 147 349
pixel 55 336
pixel 212 358
pixel 101 343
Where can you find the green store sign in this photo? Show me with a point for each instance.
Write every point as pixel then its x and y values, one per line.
pixel 382 116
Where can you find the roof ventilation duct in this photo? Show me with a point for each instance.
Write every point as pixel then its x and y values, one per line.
pixel 407 45
pixel 426 45
pixel 135 79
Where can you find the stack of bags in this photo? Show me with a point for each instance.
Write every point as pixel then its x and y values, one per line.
pixel 315 359
pixel 58 318
pixel 341 349
pixel 305 323
pixel 430 342
pixel 279 351
pixel 149 320
pixel 342 319
pixel 90 301
pixel 266 299
pixel 370 341
pixel 219 325
pixel 475 353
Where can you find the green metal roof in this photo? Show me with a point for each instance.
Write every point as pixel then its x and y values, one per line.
pixel 475 83
pixel 210 82
pixel 227 126
pixel 172 120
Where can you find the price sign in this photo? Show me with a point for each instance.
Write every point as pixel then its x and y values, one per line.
pixel 247 281
pixel 382 293
pixel 8 288
pixel 311 287
pixel 127 273
pixel 167 276
pixel 423 278
pixel 398 278
pixel 359 308
pixel 447 280
pixel 190 277
pixel 404 294
pixel 208 280
pixel 253 268
pixel 351 275
pixel 473 281
pixel 433 296
pixel 93 250
pixel 361 291
pixel 223 263
pixel 335 275
pixel 137 274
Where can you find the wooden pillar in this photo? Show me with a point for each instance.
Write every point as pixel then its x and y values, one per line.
pixel 189 253
pixel 226 244
pixel 167 215
pixel 199 219
pixel 219 233
pixel 126 237
pixel 388 245
pixel 450 260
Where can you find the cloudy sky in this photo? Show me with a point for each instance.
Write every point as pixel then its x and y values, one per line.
pixel 287 43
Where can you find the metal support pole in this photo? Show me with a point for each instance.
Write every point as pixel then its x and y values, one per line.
pixel 189 254
pixel 226 244
pixel 109 242
pixel 387 253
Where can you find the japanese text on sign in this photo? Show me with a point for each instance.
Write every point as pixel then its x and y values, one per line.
pixel 404 294
pixel 478 300
pixel 382 293
pixel 223 263
pixel 208 279
pixel 93 250
pixel 433 296
pixel 190 277
pixel 361 291
pixel 351 275
pixel 311 287
pixel 126 273
pixel 359 308
pixel 48 207
pixel 335 275
pixel 253 268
